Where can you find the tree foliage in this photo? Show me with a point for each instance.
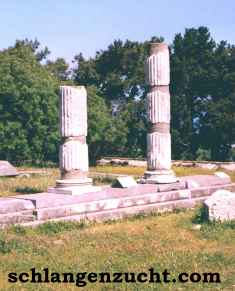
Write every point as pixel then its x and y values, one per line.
pixel 28 106
pixel 202 98
pixel 202 95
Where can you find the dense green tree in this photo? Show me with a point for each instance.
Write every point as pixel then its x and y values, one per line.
pixel 134 115
pixel 107 134
pixel 202 78
pixel 202 96
pixel 192 68
pixel 118 75
pixel 117 72
pixel 28 106
pixel 41 54
pixel 59 69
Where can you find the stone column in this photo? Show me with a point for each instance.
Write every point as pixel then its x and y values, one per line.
pixel 157 71
pixel 73 150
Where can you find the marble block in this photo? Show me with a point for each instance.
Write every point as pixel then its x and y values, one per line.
pixel 221 205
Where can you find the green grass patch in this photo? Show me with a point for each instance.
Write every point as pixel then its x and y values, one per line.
pixel 28 190
pixel 52 228
pixel 201 214
pixel 8 245
pixel 162 241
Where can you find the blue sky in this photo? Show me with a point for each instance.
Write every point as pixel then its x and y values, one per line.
pixel 68 27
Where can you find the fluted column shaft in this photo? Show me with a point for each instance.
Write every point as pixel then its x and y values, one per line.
pixel 157 72
pixel 73 130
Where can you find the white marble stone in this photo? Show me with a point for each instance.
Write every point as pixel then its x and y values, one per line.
pixel 223 175
pixel 75 190
pixel 159 151
pixel 6 169
pixel 157 73
pixel 125 182
pixel 157 68
pixel 158 106
pixel 73 111
pixel 74 165
pixel 159 177
pixel 74 156
pixel 221 205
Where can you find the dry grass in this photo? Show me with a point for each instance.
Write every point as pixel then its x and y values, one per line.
pixel 45 177
pixel 33 184
pixel 139 171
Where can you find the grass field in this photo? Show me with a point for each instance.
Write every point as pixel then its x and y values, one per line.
pixel 161 242
pixel 167 241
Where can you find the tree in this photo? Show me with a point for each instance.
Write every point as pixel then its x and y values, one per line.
pixel 202 98
pixel 192 69
pixel 118 75
pixel 134 115
pixel 34 45
pixel 59 69
pixel 106 134
pixel 117 72
pixel 203 82
pixel 28 106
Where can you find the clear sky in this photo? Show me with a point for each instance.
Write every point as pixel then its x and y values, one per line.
pixel 68 27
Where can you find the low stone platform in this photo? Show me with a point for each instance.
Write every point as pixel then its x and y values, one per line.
pixel 110 203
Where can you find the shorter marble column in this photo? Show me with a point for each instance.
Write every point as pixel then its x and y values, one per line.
pixel 73 156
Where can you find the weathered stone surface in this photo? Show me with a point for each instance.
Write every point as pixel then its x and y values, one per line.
pixel 73 111
pixel 17 217
pixel 73 151
pixel 223 176
pixel 99 205
pixel 159 177
pixel 159 151
pixel 229 167
pixel 6 169
pixel 157 72
pixel 109 203
pixel 157 67
pixel 158 105
pixel 209 190
pixel 74 156
pixel 221 205
pixel 124 212
pixel 9 205
pixel 198 181
pixel 73 127
pixel 77 189
pixel 124 182
pixel 180 185
pixel 57 205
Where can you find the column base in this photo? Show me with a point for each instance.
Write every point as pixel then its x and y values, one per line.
pixel 159 177
pixel 74 187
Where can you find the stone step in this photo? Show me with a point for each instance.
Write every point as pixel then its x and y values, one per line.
pixel 208 190
pixel 13 204
pixel 109 204
pixel 17 218
pixel 50 206
pixel 124 212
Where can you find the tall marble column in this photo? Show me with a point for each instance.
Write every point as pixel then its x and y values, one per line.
pixel 157 72
pixel 73 156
